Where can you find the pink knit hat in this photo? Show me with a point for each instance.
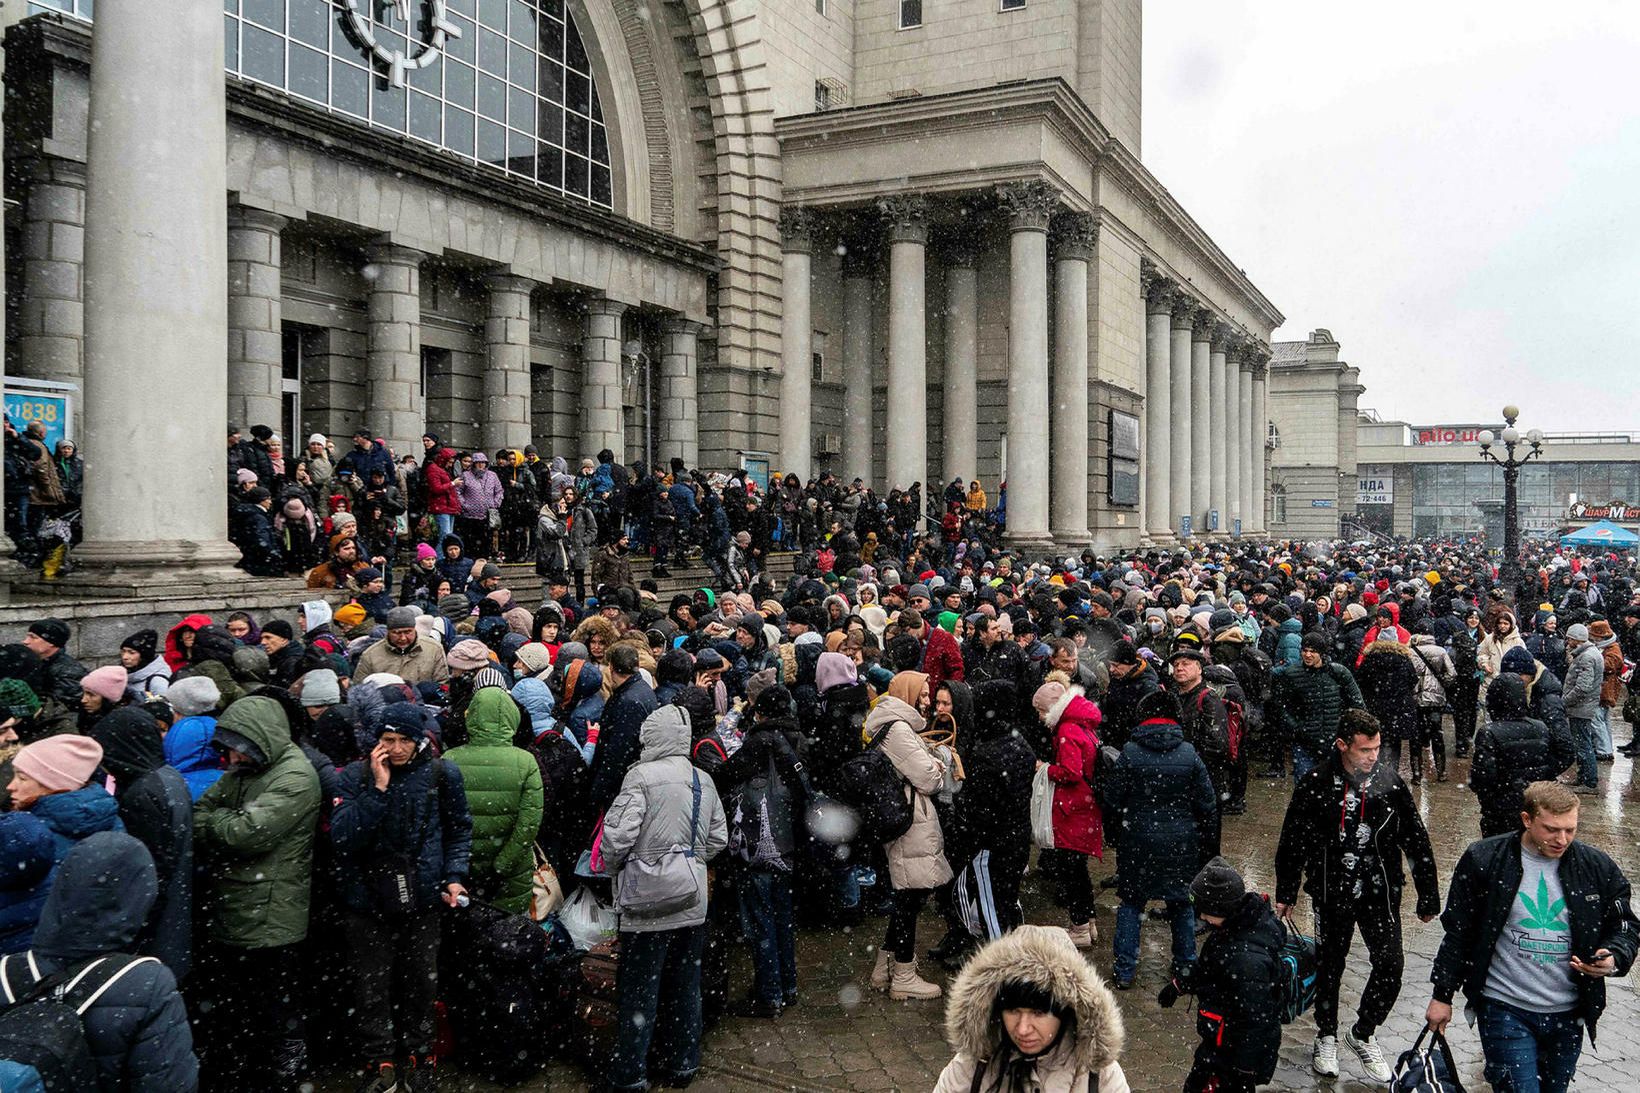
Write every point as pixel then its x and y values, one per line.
pixel 469 654
pixel 107 682
pixel 59 763
pixel 1046 695
pixel 425 553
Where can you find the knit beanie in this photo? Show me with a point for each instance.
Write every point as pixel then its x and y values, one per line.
pixel 17 699
pixel 1218 888
pixel 320 687
pixel 193 696
pixel 59 763
pixel 54 631
pixel 425 553
pixel 468 655
pixel 1046 695
pixel 279 628
pixel 535 657
pixel 144 643
pixel 1315 643
pixel 402 618
pixel 107 682
pixel 455 606
pixel 349 615
pixel 1518 661
pixel 1158 706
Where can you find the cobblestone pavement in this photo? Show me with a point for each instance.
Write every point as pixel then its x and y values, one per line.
pixel 844 1036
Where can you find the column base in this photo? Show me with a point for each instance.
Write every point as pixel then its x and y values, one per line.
pixel 166 566
pixel 1035 545
pixel 1072 540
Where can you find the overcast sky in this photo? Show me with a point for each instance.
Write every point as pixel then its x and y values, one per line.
pixel 1452 188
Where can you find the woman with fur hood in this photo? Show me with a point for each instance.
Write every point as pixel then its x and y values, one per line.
pixel 1029 1013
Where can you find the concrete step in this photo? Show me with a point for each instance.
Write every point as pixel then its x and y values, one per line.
pixel 526 586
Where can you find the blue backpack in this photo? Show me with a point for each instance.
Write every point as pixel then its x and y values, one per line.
pixel 1298 963
pixel 1426 1068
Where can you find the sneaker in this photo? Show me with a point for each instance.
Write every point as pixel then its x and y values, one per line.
pixel 383 1078
pixel 1583 790
pixel 1123 984
pixel 1371 1055
pixel 1324 1056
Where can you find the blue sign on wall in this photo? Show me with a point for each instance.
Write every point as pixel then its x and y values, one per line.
pixel 51 409
pixel 1184 527
pixel 1236 523
pixel 1212 519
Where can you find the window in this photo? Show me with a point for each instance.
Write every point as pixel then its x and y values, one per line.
pixel 1278 504
pixel 910 14
pixel 822 97
pixel 1013 5
pixel 1123 488
pixel 820 7
pixel 817 367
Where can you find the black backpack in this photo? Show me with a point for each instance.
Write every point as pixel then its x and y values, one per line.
pixel 40 1028
pixel 869 784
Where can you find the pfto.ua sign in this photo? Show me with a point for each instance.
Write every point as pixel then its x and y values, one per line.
pixel 1617 511
pixel 1450 434
pixel 437 30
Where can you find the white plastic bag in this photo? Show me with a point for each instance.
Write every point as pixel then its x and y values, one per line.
pixel 586 920
pixel 1042 808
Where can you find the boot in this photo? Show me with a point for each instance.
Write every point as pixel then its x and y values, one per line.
pixel 880 973
pixel 290 1063
pixel 1085 935
pixel 953 940
pixel 907 984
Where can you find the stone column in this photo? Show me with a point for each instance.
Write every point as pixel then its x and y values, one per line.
pixel 679 431
pixel 1201 430
pixel 1029 206
pixel 601 425
pixel 1184 317
pixel 156 266
pixel 1261 430
pixel 1219 428
pixel 1074 250
pixel 907 425
pixel 960 423
pixel 1249 513
pixel 51 318
pixel 1349 401
pixel 858 439
pixel 1158 408
pixel 1233 431
pixel 393 396
pixel 255 342
pixel 506 421
pixel 796 344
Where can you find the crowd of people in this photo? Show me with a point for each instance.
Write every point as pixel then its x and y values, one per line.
pixel 271 824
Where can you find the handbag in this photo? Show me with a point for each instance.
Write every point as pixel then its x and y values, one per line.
pixel 393 879
pixel 591 862
pixel 1426 1068
pixel 667 884
pixel 493 519
pixel 1042 808
pixel 546 893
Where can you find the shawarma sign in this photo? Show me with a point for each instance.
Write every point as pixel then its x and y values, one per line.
pixel 1617 511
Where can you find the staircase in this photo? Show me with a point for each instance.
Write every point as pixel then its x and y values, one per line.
pixel 526 586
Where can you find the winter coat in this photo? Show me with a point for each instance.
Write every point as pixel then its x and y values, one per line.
pixel 442 499
pixel 158 811
pixel 137 1030
pixel 1581 691
pixel 612 567
pixel 917 858
pixel 994 808
pixel 480 493
pixel 1162 801
pixel 651 814
pixel 1310 849
pixel 565 817
pixel 618 738
pixel 420 819
pixel 1549 650
pixel 459 569
pixel 1484 886
pixel 1389 688
pixel 188 751
pixel 1044 957
pixel 583 535
pixel 1489 657
pixel 1289 644
pixel 551 549
pixel 941 658
pixel 1121 704
pixel 151 679
pixel 1440 673
pixel 73 815
pixel 1611 686
pixel 1238 981
pixel 834 737
pixel 254 829
pixel 1305 704
pixel 503 786
pixel 586 708
pixel 27 859
pixel 1511 752
pixel 1206 724
pixel 421 662
pixel 1077 821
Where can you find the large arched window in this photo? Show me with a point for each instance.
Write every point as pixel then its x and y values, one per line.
pixel 505 83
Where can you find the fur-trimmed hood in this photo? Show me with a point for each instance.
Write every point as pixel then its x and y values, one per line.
pixel 1044 957
pixel 1383 645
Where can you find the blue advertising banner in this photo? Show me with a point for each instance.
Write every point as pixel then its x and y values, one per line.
pixel 49 408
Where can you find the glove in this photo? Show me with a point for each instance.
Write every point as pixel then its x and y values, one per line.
pixel 1170 993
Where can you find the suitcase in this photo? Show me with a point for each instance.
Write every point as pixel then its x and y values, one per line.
pixel 592 1003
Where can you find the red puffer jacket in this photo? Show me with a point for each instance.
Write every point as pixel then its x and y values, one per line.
pixel 1077 821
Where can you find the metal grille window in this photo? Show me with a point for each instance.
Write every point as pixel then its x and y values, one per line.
pixel 1013 5
pixel 910 14
pixel 512 86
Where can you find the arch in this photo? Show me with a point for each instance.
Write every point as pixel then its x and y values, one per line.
pixel 625 115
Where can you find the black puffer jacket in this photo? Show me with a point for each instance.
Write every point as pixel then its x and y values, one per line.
pixel 835 736
pixel 1389 687
pixel 137 1029
pixel 1477 911
pixel 1305 704
pixel 1237 983
pixel 994 806
pixel 1161 800
pixel 421 818
pixel 1511 752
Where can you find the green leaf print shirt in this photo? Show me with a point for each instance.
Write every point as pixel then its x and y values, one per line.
pixel 1531 963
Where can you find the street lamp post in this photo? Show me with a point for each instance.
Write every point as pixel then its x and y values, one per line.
pixel 1511 437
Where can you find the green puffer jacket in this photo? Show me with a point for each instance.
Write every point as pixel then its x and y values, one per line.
pixel 504 794
pixel 1306 704
pixel 253 832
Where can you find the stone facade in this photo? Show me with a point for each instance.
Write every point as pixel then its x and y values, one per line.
pixel 1313 408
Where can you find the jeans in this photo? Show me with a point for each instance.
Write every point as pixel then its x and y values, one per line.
pixel 1588 770
pixel 1303 763
pixel 766 917
pixel 1128 916
pixel 659 991
pixel 393 960
pixel 446 522
pixel 1380 924
pixel 1529 1052
pixel 1603 733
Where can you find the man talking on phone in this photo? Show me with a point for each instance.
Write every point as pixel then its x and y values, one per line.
pixel 1535 922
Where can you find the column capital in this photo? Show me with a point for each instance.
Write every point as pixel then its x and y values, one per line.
pixel 1184 309
pixel 678 324
pixel 1202 324
pixel 387 252
pixel 603 305
pixel 246 216
pixel 906 216
pixel 1157 290
pixel 1030 204
pixel 1076 238
pixel 1223 334
pixel 796 230
pixel 502 281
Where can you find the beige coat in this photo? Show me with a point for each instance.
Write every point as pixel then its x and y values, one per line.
pixel 917 858
pixel 1045 957
pixel 422 662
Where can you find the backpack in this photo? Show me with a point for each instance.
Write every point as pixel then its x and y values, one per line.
pixel 41 1031
pixel 869 784
pixel 1235 715
pixel 1430 1069
pixel 1298 962
pixel 762 832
